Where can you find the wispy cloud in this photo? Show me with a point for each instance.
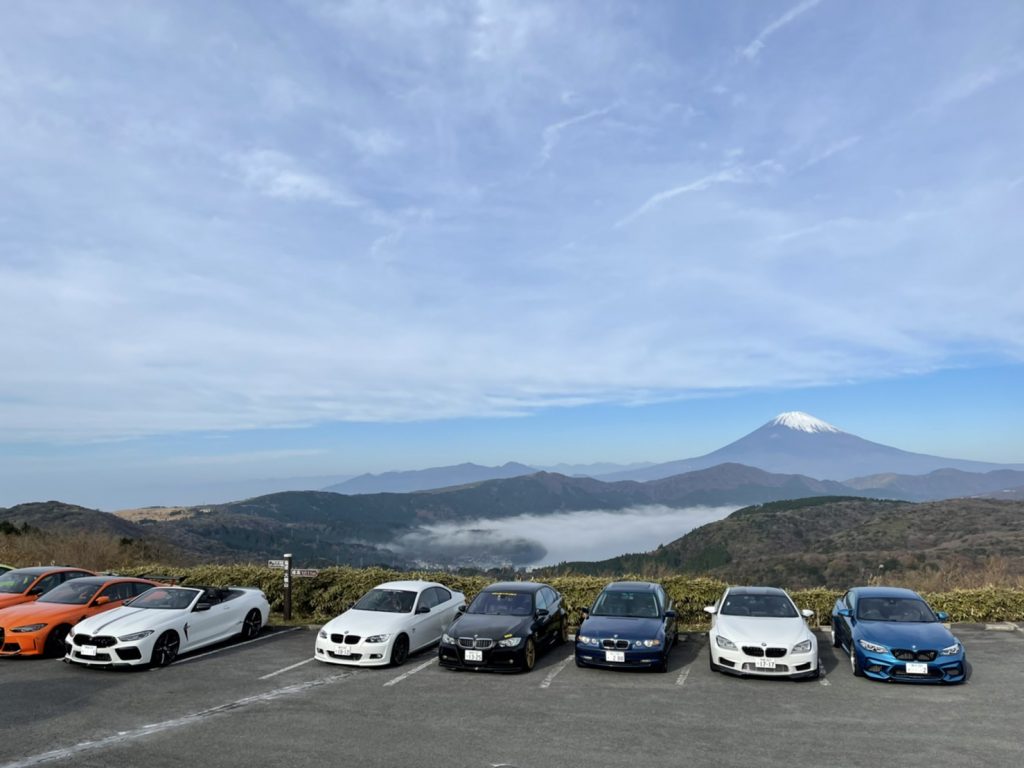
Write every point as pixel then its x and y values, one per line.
pixel 832 149
pixel 552 133
pixel 276 174
pixel 754 48
pixel 724 176
pixel 971 83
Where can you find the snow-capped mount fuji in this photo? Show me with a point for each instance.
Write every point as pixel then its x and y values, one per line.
pixel 800 444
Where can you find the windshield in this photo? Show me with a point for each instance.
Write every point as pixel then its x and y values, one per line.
pixel 907 609
pixel 72 592
pixel 387 601
pixel 760 606
pixel 165 599
pixel 502 604
pixel 633 605
pixel 14 583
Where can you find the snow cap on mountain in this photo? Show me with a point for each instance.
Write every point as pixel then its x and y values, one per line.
pixel 803 422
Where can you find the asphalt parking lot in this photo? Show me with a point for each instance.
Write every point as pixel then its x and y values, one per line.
pixel 268 703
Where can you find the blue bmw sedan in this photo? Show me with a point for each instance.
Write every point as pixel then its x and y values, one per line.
pixel 630 625
pixel 891 633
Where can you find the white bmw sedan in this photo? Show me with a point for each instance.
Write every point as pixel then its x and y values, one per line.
pixel 388 623
pixel 759 631
pixel 162 622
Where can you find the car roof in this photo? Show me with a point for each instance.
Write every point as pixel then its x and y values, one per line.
pixel 756 591
pixel 515 586
pixel 414 585
pixel 631 586
pixel 39 570
pixel 108 580
pixel 885 592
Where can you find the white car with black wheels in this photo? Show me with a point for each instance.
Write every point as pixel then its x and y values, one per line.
pixel 388 623
pixel 163 622
pixel 760 631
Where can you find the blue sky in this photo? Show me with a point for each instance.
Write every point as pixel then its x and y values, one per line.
pixel 268 239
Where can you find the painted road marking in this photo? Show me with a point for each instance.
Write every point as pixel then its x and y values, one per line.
pixel 293 666
pixel 123 737
pixel 546 683
pixel 413 671
pixel 822 677
pixel 683 674
pixel 278 633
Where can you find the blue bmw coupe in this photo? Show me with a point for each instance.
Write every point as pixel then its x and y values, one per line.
pixel 631 625
pixel 892 634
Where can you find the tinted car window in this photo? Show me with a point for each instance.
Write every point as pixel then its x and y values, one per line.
pixel 901 609
pixel 428 598
pixel 138 588
pixel 69 575
pixel 70 594
pixel 441 595
pixel 637 605
pixel 765 606
pixel 47 583
pixel 551 597
pixel 502 604
pixel 542 600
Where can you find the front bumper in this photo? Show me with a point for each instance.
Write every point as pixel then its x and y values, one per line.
pixel 790 665
pixel 101 652
pixel 595 656
pixel 885 666
pixel 361 654
pixel 23 643
pixel 495 658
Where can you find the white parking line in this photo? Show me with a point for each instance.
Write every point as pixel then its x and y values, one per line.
pixel 822 677
pixel 413 671
pixel 683 674
pixel 546 682
pixel 232 646
pixel 293 666
pixel 147 730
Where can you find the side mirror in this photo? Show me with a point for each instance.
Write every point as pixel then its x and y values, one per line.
pixel 670 614
pixel 101 600
pixel 942 616
pixel 807 613
pixel 845 612
pixel 202 607
pixel 710 609
pixel 462 608
pixel 423 609
pixel 36 591
pixel 585 612
pixel 542 612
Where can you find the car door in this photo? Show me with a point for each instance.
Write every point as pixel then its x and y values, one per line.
pixel 547 625
pixel 423 619
pixel 207 625
pixel 666 606
pixel 843 625
pixel 442 613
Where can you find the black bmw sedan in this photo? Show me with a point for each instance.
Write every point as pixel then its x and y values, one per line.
pixel 505 627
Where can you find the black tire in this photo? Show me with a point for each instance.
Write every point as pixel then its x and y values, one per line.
pixel 662 666
pixel 578 662
pixel 400 651
pixel 55 641
pixel 563 633
pixel 855 663
pixel 165 649
pixel 529 655
pixel 252 625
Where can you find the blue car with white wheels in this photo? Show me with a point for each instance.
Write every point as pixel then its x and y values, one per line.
pixel 631 626
pixel 892 634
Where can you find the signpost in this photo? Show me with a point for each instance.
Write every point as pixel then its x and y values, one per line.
pixel 277 563
pixel 289 574
pixel 305 573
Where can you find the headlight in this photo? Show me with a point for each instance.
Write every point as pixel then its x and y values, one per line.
pixel 802 647
pixel 953 650
pixel 729 645
pixel 872 647
pixel 377 639
pixel 446 638
pixel 135 636
pixel 323 634
pixel 28 628
pixel 647 643
pixel 510 642
pixel 587 640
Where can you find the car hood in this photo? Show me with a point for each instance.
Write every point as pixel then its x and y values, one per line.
pixel 126 619
pixel 745 630
pixel 896 634
pixel 620 626
pixel 367 622
pixel 468 624
pixel 7 599
pixel 35 612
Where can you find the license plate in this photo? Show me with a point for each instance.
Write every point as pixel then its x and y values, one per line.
pixel 764 663
pixel 474 655
pixel 345 650
pixel 614 655
pixel 88 650
pixel 917 669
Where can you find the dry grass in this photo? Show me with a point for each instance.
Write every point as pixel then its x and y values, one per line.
pixel 86 550
pixel 156 513
pixel 995 571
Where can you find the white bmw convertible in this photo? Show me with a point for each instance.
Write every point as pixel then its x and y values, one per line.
pixel 164 621
pixel 759 631
pixel 388 623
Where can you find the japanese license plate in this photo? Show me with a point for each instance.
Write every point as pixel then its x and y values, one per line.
pixel 87 650
pixel 614 655
pixel 474 655
pixel 345 650
pixel 764 663
pixel 916 669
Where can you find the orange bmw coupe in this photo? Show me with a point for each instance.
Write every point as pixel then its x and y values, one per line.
pixel 22 585
pixel 39 628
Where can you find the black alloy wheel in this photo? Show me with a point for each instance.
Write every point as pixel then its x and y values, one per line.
pixel 400 651
pixel 55 641
pixel 252 625
pixel 165 650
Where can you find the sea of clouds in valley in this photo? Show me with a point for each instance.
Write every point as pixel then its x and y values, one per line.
pixel 537 540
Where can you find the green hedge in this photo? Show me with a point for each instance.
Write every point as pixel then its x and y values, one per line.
pixel 335 589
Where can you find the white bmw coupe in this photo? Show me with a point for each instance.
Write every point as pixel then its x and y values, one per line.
pixel 388 623
pixel 759 631
pixel 162 622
